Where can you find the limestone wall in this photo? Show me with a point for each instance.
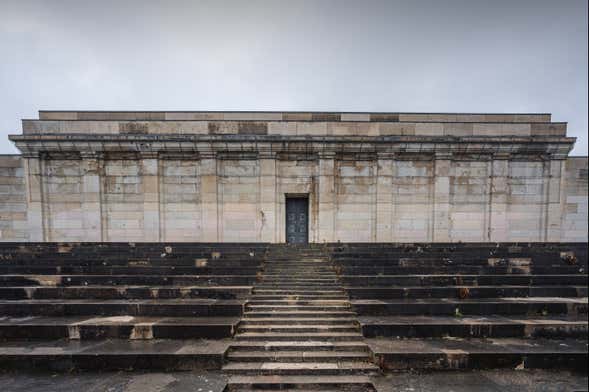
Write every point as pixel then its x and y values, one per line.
pixel 13 205
pixel 575 203
pixel 146 198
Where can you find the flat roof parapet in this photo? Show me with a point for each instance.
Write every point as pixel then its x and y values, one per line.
pixel 294 116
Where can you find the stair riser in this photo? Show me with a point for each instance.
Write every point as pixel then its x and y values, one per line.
pixel 95 332
pixel 301 372
pixel 283 329
pixel 414 361
pixel 306 358
pixel 294 338
pixel 469 292
pixel 479 309
pixel 478 331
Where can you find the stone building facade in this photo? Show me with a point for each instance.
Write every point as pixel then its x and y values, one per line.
pixel 231 177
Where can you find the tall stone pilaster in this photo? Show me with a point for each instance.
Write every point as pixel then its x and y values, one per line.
pixel 555 203
pixel 209 197
pixel 384 198
pixel 91 167
pixel 34 188
pixel 151 209
pixel 498 230
pixel 268 198
pixel 326 196
pixel 441 199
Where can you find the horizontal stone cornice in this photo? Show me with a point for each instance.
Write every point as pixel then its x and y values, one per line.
pixel 553 147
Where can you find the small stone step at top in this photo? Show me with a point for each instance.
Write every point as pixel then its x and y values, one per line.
pixel 301 383
pixel 298 356
pixel 339 297
pixel 289 336
pixel 299 321
pixel 299 328
pixel 287 308
pixel 301 368
pixel 298 345
pixel 297 301
pixel 298 314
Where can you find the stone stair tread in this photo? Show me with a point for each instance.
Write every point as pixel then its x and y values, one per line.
pixel 300 366
pixel 270 335
pixel 117 320
pixel 167 301
pixel 465 346
pixel 237 355
pixel 437 320
pixel 307 344
pixel 299 380
pixel 414 301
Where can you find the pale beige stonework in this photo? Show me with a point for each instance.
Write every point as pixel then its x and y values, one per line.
pixel 225 176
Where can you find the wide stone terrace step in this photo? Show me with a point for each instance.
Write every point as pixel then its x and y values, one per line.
pixel 484 306
pixel 126 270
pixel 300 383
pixel 113 354
pixel 455 353
pixel 460 280
pixel 475 327
pixel 117 327
pixel 125 292
pixel 378 292
pixel 161 307
pixel 158 280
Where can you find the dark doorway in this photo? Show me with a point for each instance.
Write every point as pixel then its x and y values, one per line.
pixel 297 220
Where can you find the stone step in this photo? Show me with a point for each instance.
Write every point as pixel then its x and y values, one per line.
pixel 466 292
pixel 298 328
pixel 291 336
pixel 160 307
pixel 113 354
pixel 340 297
pixel 461 280
pixel 125 292
pixel 298 314
pixel 456 353
pixel 300 383
pixel 298 287
pixel 473 327
pixel 300 302
pixel 298 356
pixel 299 321
pixel 212 268
pixel 304 308
pixel 317 292
pixel 125 280
pixel 496 306
pixel 298 345
pixel 117 327
pixel 301 368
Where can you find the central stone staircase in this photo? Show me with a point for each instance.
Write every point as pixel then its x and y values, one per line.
pixel 298 329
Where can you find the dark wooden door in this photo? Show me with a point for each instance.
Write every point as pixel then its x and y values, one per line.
pixel 297 220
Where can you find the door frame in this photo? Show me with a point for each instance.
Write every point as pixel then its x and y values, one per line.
pixel 305 196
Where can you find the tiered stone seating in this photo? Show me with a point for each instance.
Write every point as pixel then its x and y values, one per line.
pixel 459 306
pixel 120 305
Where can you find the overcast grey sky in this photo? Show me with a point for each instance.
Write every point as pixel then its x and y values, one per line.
pixel 413 55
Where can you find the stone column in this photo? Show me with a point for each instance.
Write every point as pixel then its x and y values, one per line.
pixel 208 200
pixel 442 167
pixel 498 199
pixel 268 198
pixel 151 209
pixel 554 170
pixel 384 198
pixel 34 189
pixel 91 167
pixel 326 196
